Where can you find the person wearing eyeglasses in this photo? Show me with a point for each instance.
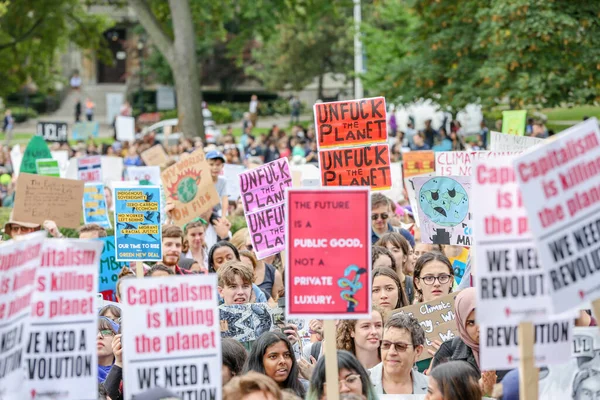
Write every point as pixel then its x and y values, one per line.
pixel 353 378
pixel 107 329
pixel 380 220
pixel 401 346
pixel 434 277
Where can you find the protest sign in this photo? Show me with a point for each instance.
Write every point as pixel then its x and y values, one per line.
pixel 125 127
pixel 85 130
pixel 109 269
pixel 499 344
pixel 231 172
pixel 172 331
pixel 19 261
pixel 53 131
pixel 437 318
pixel 40 198
pixel 155 155
pixel 138 233
pixel 189 185
pixel 263 196
pixel 64 327
pixel 47 167
pixel 328 250
pixel 245 322
pixel 409 184
pixel 16 158
pixel 89 169
pixel 145 175
pixel 418 163
pixel 62 156
pixel 559 184
pixel 357 166
pixel 513 122
pixel 94 205
pixel 459 163
pixel 351 122
pixel 396 192
pixel 504 142
pixel 443 209
pixel 510 279
pixel 458 260
pixel 36 149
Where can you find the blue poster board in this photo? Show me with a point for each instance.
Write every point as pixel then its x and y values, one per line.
pixel 138 235
pixel 94 205
pixel 85 130
pixel 109 269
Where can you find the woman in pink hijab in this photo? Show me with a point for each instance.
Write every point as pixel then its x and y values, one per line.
pixel 465 346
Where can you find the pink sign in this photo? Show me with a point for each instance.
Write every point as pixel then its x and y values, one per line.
pixel 89 169
pixel 265 186
pixel 267 230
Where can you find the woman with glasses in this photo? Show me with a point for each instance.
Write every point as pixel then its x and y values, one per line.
pixel 402 344
pixel 353 378
pixel 386 291
pixel 107 329
pixel 434 277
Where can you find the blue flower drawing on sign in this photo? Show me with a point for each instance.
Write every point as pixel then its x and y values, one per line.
pixel 444 201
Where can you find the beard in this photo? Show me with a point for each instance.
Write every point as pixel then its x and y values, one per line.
pixel 170 260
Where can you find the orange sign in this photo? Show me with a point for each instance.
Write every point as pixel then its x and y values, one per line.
pixel 351 123
pixel 418 163
pixel 357 166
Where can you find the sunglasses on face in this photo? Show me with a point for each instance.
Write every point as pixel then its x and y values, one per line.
pixel 399 346
pixel 383 216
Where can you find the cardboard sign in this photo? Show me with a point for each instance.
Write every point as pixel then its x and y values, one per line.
pixel 499 348
pixel 510 279
pixel 94 205
pixel 188 184
pixel 437 318
pixel 89 169
pixel 328 249
pixel 351 122
pixel 231 172
pixel 47 167
pixel 172 331
pixel 263 196
pixel 53 131
pixel 155 155
pixel 62 341
pixel 559 183
pixel 245 322
pixel 513 122
pixel 109 269
pixel 504 142
pixel 443 209
pixel 40 198
pixel 19 261
pixel 357 166
pixel 138 233
pixel 85 130
pixel 418 163
pixel 459 163
pixel 125 127
pixel 145 175
pixel 36 149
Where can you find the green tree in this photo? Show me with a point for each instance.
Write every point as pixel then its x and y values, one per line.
pixel 33 32
pixel 529 52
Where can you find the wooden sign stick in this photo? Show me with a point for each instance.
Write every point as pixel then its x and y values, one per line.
pixel 528 373
pixel 596 309
pixel 139 269
pixel 331 365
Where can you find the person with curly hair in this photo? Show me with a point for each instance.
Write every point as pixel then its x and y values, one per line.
pixel 362 338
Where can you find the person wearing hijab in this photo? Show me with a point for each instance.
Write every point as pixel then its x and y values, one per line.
pixel 465 347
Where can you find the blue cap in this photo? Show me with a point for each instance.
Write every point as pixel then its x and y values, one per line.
pixel 510 385
pixel 215 155
pixel 113 324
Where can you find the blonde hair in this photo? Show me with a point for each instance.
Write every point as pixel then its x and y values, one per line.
pixel 248 383
pixel 239 239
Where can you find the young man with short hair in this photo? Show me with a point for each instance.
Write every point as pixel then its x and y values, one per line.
pixel 380 213
pixel 235 283
pixel 172 244
pixel 91 231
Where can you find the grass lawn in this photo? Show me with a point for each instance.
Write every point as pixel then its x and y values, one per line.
pixel 23 138
pixel 571 114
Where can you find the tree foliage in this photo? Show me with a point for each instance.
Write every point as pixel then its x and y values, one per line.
pixel 33 32
pixel 530 52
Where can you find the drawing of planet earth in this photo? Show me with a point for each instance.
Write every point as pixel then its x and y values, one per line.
pixel 444 201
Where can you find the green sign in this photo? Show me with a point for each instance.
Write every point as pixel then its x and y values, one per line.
pixel 36 149
pixel 47 167
pixel 513 122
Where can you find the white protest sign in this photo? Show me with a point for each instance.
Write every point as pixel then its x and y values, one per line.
pixel 510 279
pixel 125 127
pixel 172 332
pixel 499 348
pixel 559 181
pixel 505 142
pixel 396 193
pixel 19 261
pixel 64 327
pixel 112 168
pixel 231 174
pixel 150 174
pixel 459 163
pixel 412 196
pixel 16 157
pixel 62 156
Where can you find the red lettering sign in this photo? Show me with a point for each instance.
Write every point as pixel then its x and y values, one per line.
pixel 357 166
